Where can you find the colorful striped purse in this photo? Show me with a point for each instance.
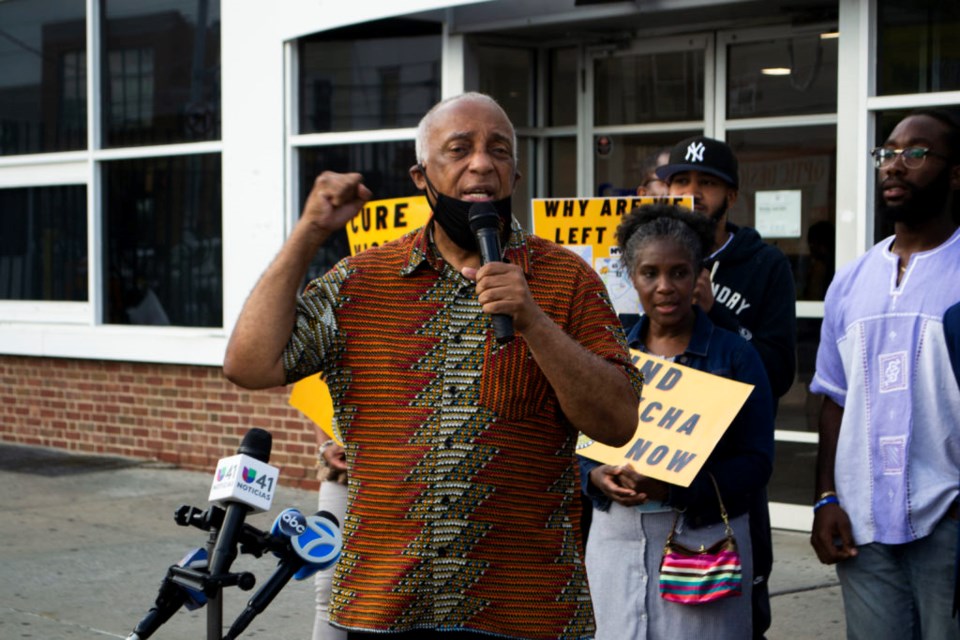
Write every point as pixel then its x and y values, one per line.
pixel 689 576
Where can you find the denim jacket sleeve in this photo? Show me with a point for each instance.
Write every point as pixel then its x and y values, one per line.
pixel 743 459
pixel 600 501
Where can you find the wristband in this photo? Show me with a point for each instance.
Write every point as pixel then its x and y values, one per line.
pixel 825 494
pixel 829 499
pixel 321 461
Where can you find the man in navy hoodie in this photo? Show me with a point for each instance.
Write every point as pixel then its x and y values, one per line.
pixel 747 287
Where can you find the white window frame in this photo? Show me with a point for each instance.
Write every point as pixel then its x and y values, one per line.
pixel 76 329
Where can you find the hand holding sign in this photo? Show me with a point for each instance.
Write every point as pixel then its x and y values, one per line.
pixel 627 487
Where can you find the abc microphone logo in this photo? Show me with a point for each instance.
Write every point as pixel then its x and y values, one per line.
pixel 320 542
pixel 291 523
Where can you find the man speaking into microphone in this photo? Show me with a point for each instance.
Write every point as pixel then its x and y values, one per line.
pixel 463 514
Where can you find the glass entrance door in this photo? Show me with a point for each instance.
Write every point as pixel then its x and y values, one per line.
pixel 640 101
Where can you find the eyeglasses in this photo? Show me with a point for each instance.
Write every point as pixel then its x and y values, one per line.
pixel 912 157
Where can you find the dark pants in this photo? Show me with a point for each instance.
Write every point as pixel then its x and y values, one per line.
pixel 762 539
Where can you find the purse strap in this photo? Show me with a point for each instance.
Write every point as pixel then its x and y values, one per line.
pixel 723 515
pixel 723 509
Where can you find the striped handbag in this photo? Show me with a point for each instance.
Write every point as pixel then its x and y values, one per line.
pixel 691 576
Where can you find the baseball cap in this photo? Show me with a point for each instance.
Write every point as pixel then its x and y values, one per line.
pixel 704 154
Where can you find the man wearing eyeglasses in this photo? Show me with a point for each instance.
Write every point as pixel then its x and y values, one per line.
pixel 889 453
pixel 652 184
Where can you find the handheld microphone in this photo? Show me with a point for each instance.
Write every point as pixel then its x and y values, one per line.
pixel 315 543
pixel 485 224
pixel 171 597
pixel 242 483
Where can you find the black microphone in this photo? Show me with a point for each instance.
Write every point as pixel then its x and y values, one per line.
pixel 171 597
pixel 485 223
pixel 242 483
pixel 314 544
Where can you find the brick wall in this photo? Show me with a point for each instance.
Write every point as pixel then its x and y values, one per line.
pixel 186 415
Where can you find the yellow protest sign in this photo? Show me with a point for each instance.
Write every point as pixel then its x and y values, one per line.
pixel 683 413
pixel 588 226
pixel 379 222
pixel 589 222
pixel 311 397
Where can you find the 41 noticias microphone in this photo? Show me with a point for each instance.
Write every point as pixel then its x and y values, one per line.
pixel 244 479
pixel 242 483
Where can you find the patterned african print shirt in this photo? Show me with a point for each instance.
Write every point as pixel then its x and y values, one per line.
pixel 463 509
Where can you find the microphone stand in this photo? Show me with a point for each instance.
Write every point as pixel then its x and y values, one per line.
pixel 227 531
pixel 214 595
pixel 252 541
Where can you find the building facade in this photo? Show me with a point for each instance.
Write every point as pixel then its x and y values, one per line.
pixel 153 156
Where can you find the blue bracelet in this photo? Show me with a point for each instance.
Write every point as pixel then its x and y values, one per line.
pixel 825 501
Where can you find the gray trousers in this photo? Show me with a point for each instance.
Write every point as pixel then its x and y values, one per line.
pixel 623 565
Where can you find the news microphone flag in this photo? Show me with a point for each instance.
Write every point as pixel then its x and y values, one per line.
pixel 243 479
pixel 315 539
pixel 242 483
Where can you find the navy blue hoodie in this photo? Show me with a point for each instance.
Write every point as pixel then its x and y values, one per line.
pixel 754 296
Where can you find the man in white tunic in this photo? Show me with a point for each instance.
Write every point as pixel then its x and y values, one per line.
pixel 889 455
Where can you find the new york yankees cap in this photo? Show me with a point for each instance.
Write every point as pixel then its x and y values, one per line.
pixel 704 154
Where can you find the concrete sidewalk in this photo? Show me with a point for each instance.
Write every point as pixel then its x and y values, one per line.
pixel 88 539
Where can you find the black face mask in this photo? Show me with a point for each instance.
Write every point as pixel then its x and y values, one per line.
pixel 453 216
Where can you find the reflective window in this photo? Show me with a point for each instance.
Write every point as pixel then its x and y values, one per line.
pixel 622 162
pixel 788 193
pixel 386 172
pixel 43 246
pixel 781 77
pixel 655 87
pixel 162 241
pixel 161 72
pixel 792 481
pixel 378 75
pixel 799 410
pixel 507 75
pixel 561 87
pixel 526 165
pixel 562 168
pixel 43 81
pixel 918 50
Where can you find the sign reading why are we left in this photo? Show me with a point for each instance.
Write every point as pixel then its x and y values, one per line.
pixel 683 413
pixel 588 227
pixel 379 222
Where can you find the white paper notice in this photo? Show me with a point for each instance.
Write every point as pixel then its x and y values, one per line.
pixel 778 213
pixel 622 294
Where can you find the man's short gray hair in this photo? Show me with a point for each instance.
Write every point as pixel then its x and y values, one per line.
pixel 423 129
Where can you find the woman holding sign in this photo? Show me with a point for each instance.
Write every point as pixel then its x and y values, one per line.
pixel 663 248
